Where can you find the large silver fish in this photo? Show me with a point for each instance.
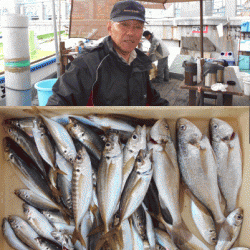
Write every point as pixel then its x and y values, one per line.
pixel 136 142
pixel 82 189
pixel 166 171
pixel 86 136
pixel 226 145
pixel 109 179
pixel 24 231
pixel 10 237
pixel 198 166
pixel 230 230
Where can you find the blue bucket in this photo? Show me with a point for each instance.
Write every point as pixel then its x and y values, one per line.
pixel 44 90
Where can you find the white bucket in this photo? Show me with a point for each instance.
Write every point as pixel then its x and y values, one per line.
pixel 247 88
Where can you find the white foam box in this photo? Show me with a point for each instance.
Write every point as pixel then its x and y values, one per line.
pixel 237 117
pixel 245 45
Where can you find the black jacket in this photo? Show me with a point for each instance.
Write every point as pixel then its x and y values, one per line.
pixel 101 72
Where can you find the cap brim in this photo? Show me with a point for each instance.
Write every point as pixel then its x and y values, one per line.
pixel 125 18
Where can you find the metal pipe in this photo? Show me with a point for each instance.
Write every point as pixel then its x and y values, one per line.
pixel 56 41
pixel 16 60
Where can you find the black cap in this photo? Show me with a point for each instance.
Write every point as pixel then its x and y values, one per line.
pixel 127 10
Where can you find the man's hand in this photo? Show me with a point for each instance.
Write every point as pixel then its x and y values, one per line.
pixel 147 54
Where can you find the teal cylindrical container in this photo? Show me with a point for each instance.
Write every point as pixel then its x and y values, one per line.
pixel 44 90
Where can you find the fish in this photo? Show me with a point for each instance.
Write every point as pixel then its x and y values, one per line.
pixel 137 185
pixel 139 222
pixel 198 166
pixel 26 124
pixel 64 239
pixel 27 144
pixel 164 239
pixel 106 122
pixel 61 137
pixel 10 237
pixel 46 245
pixel 24 231
pixel 137 240
pixel 181 236
pixel 166 172
pixel 109 179
pixel 82 190
pixel 240 248
pixel 64 228
pixel 136 142
pixel 37 201
pixel 38 222
pixel 230 230
pixel 86 136
pixel 56 217
pixel 226 146
pixel 149 228
pixel 203 220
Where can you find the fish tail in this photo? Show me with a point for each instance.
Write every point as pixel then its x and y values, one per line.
pixel 97 230
pixel 78 236
pixel 66 213
pixel 59 171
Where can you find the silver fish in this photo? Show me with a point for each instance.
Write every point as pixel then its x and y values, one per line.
pixel 136 142
pixel 137 185
pixel 203 220
pixel 109 122
pixel 24 231
pixel 137 240
pixel 226 145
pixel 62 138
pixel 64 228
pixel 64 239
pixel 149 228
pixel 86 136
pixel 240 248
pixel 166 171
pixel 139 222
pixel 56 217
pixel 46 245
pixel 109 179
pixel 230 230
pixel 10 237
pixel 26 124
pixel 27 144
pixel 164 239
pixel 198 166
pixel 35 200
pixel 82 189
pixel 38 222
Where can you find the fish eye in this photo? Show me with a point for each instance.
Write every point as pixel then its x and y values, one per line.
pixel 139 160
pixel 166 127
pixel 78 157
pixel 107 157
pixel 215 126
pixel 108 144
pixel 134 137
pixel 82 134
pixel 77 170
pixel 75 125
pixel 183 127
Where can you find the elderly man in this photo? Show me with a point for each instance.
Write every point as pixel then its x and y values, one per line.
pixel 161 53
pixel 114 73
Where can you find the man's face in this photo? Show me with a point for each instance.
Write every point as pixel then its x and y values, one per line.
pixel 126 35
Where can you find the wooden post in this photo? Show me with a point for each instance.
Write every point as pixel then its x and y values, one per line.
pixel 62 58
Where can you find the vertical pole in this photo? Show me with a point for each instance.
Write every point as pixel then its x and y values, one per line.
pixel 201 27
pixel 56 41
pixel 16 60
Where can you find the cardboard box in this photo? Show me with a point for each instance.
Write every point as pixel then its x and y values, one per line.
pixel 237 117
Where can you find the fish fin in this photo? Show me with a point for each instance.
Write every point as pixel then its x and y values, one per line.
pixel 59 171
pixel 66 213
pixel 78 236
pixel 180 234
pixel 97 230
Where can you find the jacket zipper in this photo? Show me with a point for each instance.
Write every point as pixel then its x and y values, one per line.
pixel 97 75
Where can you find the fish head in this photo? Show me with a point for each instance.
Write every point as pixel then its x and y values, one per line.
pixel 237 217
pixel 187 132
pixel 143 161
pixel 137 139
pixel 220 130
pixel 139 220
pixel 160 132
pixel 211 237
pixel 12 131
pixel 68 154
pixel 15 221
pixel 76 129
pixel 113 146
pixel 22 193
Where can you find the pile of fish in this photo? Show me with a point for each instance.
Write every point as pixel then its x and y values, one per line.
pixel 113 182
